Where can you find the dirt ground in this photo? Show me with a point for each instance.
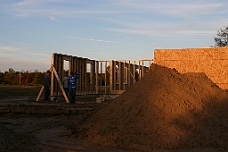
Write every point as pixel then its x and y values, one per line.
pixel 164 112
pixel 26 125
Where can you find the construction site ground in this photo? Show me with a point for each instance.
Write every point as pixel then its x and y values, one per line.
pixel 28 125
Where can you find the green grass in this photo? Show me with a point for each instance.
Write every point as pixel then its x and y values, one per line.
pixel 15 91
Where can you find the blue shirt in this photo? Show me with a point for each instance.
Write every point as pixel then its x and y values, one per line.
pixel 72 81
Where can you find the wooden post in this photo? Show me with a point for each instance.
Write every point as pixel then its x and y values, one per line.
pixel 105 77
pixel 143 69
pixel 97 71
pixel 52 76
pixel 112 75
pixel 41 90
pixel 125 75
pixel 140 70
pixel 101 76
pixel 120 75
pixel 84 81
pixel 129 74
pixel 133 70
pixel 93 77
pixel 60 84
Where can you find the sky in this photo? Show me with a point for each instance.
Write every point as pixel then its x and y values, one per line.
pixel 31 30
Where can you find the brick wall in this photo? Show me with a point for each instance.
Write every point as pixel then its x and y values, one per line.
pixel 212 61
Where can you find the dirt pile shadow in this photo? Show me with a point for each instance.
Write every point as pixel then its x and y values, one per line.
pixel 207 127
pixel 164 110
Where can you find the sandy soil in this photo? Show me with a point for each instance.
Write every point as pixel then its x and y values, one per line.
pixel 164 112
pixel 26 125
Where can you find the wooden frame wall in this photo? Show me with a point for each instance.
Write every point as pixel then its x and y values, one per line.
pixel 99 77
pixel 86 81
pixel 123 73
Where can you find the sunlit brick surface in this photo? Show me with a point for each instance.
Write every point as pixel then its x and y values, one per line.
pixel 212 61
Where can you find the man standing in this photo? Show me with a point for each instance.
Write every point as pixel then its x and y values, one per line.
pixel 72 84
pixel 65 83
pixel 47 85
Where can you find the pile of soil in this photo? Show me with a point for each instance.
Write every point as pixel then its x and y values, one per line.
pixel 164 110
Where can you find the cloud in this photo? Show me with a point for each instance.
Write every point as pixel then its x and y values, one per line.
pixel 20 62
pixel 52 18
pixel 16 58
pixel 163 33
pixel 157 29
pixel 169 7
pixel 8 48
pixel 37 54
pixel 71 8
pixel 122 12
pixel 4 25
pixel 96 40
pixel 56 8
pixel 19 65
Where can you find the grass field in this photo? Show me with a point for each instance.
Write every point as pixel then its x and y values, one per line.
pixel 7 91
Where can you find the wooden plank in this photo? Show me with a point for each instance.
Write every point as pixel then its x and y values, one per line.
pixel 105 77
pixel 120 75
pixel 60 84
pixel 83 67
pixel 41 90
pixel 97 72
pixel 52 76
pixel 133 71
pixel 111 75
pixel 143 69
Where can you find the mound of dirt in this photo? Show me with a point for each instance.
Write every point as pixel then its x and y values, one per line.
pixel 164 110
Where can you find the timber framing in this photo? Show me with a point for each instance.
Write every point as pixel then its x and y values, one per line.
pixel 98 77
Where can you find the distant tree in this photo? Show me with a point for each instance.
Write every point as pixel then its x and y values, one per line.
pixel 1 77
pixel 6 77
pixel 38 77
pixel 11 70
pixel 221 39
pixel 28 77
pixel 13 77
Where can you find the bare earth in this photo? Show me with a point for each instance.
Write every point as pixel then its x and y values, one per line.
pixel 164 112
pixel 26 125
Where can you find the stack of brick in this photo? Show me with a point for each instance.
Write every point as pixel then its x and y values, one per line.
pixel 211 61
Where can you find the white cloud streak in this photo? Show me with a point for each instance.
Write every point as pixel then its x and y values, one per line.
pixel 171 29
pixel 23 61
pixel 170 8
pixel 177 12
pixel 8 49
pixel 96 40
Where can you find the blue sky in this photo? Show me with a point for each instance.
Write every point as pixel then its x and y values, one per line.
pixel 31 30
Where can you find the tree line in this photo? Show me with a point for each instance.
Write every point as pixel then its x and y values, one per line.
pixel 21 78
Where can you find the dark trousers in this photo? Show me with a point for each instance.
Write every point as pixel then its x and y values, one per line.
pixel 46 93
pixel 66 91
pixel 72 95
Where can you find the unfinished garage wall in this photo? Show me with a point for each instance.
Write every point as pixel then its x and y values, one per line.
pixel 212 61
